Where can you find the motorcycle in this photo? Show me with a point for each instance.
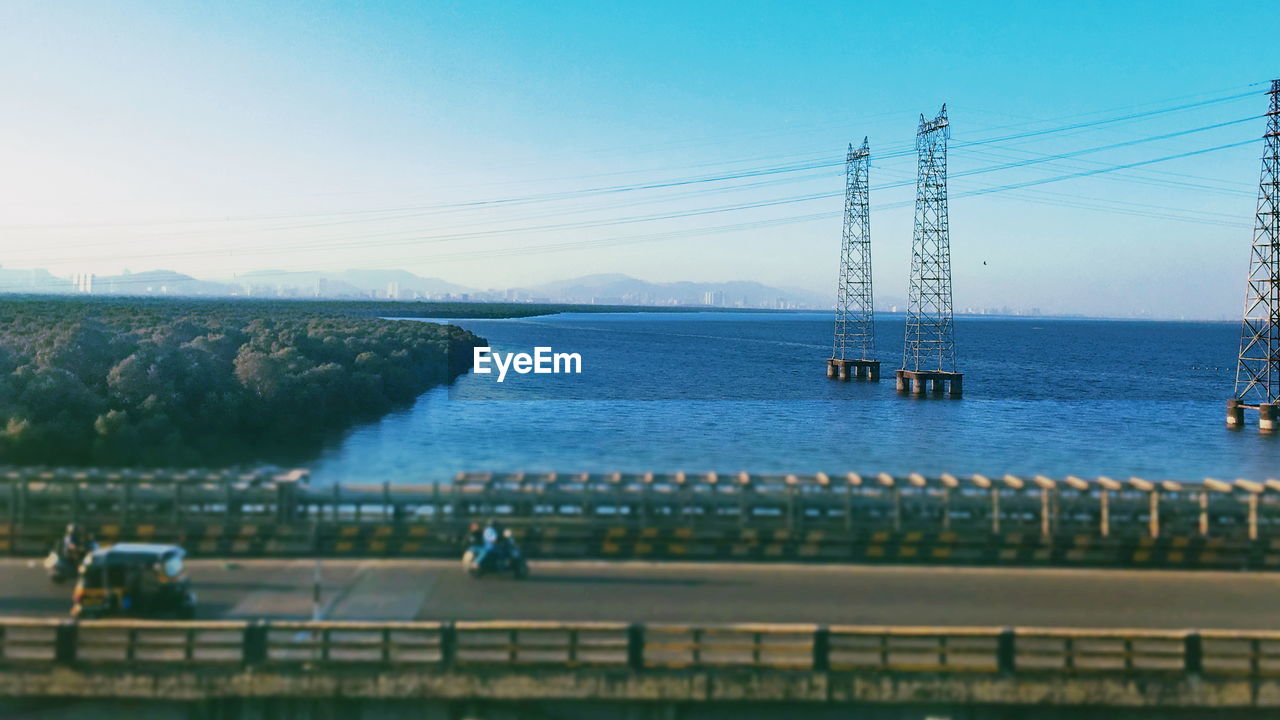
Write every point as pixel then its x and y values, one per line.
pixel 479 561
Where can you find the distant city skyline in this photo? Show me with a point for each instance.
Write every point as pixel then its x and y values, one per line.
pixel 1104 157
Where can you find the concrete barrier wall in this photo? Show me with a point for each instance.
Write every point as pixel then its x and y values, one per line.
pixel 646 663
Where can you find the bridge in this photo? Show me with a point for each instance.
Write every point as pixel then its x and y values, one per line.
pixel 661 595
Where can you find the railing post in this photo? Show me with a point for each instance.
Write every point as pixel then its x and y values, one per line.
pixel 176 510
pixel 1006 651
pixel 995 510
pixel 65 640
pixel 1104 512
pixel 635 647
pixel 821 649
pixel 897 509
pixel 1153 515
pixel 946 508
pixel 254 650
pixel 23 492
pixel 448 645
pixel 286 500
pixel 1204 513
pixel 1193 653
pixel 126 505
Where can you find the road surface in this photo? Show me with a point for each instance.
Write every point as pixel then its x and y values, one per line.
pixel 706 593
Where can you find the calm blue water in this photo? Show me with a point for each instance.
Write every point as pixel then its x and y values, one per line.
pixel 725 392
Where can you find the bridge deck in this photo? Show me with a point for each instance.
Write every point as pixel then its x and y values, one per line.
pixel 707 593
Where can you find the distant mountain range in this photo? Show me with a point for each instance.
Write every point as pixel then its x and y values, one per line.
pixel 612 288
pixel 354 282
pixel 158 282
pixel 32 281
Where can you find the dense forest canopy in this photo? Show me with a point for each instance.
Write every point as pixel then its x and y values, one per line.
pixel 189 382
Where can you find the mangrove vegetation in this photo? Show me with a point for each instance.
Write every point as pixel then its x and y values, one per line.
pixel 88 381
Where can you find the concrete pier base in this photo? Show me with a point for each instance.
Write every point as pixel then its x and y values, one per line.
pixel 1268 415
pixel 1235 414
pixel 919 382
pixel 846 370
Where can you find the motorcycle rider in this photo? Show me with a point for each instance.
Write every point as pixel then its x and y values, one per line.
pixel 74 545
pixel 489 551
pixel 508 543
pixel 70 550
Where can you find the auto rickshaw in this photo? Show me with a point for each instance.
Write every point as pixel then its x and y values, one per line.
pixel 134 580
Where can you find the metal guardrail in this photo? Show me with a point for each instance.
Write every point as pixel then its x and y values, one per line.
pixel 460 646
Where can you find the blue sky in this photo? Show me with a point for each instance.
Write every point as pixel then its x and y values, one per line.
pixel 220 138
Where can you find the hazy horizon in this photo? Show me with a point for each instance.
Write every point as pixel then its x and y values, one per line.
pixel 1104 158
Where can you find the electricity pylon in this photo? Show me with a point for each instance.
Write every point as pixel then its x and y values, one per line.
pixel 929 346
pixel 855 339
pixel 1258 366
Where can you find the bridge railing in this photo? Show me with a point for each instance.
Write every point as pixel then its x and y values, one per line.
pixel 884 518
pixel 1101 507
pixel 458 646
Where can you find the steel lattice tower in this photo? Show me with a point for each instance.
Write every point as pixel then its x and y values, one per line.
pixel 1258 366
pixel 855 340
pixel 929 346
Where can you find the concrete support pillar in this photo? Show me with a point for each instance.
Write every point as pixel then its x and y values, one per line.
pixel 1235 414
pixel 918 386
pixel 831 368
pixel 957 386
pixel 873 373
pixel 939 385
pixel 902 381
pixel 1266 417
pixel 844 372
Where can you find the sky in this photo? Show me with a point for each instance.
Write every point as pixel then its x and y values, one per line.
pixel 501 144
